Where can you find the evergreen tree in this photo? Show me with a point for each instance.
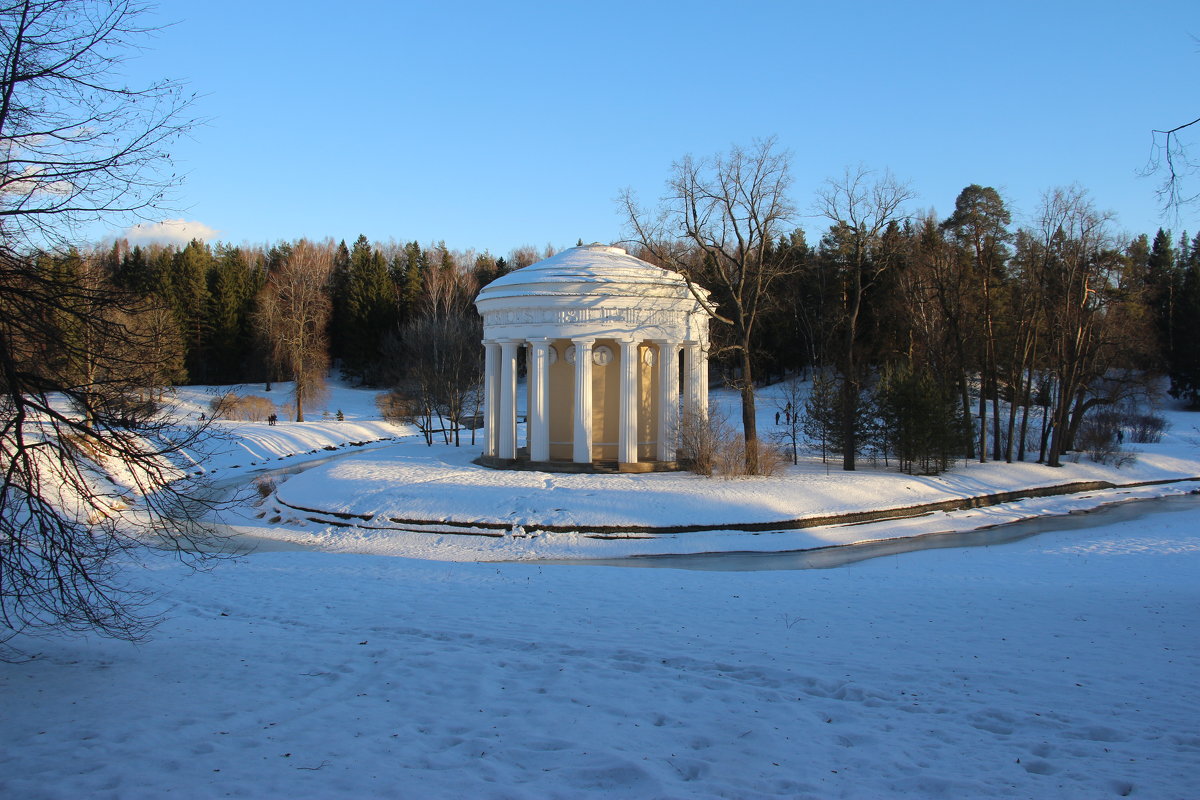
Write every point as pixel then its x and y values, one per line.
pixel 1162 283
pixel 188 296
pixel 370 310
pixel 411 281
pixel 134 274
pixel 230 306
pixel 980 224
pixel 1185 363
pixel 339 316
pixel 920 422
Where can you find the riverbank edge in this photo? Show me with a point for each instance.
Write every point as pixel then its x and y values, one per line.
pixel 498 528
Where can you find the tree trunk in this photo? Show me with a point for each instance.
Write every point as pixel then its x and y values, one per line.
pixel 749 421
pixel 982 420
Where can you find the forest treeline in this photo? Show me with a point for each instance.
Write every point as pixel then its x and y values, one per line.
pixel 366 293
pixel 932 340
pixel 969 337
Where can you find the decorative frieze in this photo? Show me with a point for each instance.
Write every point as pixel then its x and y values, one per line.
pixel 627 317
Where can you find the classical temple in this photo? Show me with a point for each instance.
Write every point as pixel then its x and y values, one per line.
pixel 610 341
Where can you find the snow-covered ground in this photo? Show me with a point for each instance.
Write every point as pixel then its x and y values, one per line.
pixel 404 498
pixel 1065 665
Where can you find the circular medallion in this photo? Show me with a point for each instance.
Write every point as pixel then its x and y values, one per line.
pixel 648 357
pixel 571 354
pixel 552 354
pixel 601 355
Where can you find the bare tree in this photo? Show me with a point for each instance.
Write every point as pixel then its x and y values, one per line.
pixel 443 362
pixel 1092 327
pixel 91 468
pixel 76 142
pixel 1169 156
pixel 861 204
pixel 717 227
pixel 293 316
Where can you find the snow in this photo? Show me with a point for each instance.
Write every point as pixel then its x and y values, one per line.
pixel 1063 665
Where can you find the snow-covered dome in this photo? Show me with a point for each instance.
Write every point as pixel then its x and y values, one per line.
pixel 593 290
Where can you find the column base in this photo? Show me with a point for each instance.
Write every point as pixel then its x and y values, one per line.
pixel 590 467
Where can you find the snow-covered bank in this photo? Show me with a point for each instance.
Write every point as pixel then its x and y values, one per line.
pixel 369 502
pixel 1062 666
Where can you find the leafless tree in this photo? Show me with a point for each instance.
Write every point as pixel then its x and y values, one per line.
pixel 861 203
pixel 92 468
pixel 1170 157
pixel 293 315
pixel 1092 328
pixel 523 256
pixel 716 226
pixel 443 364
pixel 449 285
pixel 76 142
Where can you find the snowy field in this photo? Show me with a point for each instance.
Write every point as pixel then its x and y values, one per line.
pixel 1065 665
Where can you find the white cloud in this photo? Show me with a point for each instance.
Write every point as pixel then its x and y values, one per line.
pixel 169 231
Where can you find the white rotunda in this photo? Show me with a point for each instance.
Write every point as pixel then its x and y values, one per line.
pixel 603 333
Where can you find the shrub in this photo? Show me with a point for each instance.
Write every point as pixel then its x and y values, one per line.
pixel 700 438
pixel 731 458
pixel 250 408
pixel 265 486
pixel 1146 428
pixel 1100 436
pixel 709 446
pixel 397 406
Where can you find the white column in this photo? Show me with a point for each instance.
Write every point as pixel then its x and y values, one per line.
pixel 507 423
pixel 668 399
pixel 582 451
pixel 491 396
pixel 627 440
pixel 695 400
pixel 537 425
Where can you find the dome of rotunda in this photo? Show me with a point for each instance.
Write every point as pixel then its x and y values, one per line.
pixel 593 290
pixel 589 270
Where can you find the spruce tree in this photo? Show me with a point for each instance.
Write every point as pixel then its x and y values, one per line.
pixel 189 300
pixel 1185 364
pixel 229 309
pixel 339 314
pixel 1162 284
pixel 370 310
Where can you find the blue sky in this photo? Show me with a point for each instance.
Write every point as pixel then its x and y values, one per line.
pixel 495 125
